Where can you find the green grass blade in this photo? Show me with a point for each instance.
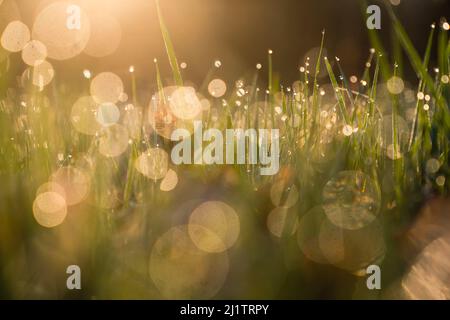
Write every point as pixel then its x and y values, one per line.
pixel 169 48
pixel 341 101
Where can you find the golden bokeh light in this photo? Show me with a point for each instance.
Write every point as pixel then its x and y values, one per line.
pixel 169 182
pixel 217 88
pixel 184 103
pixel 277 222
pixel 49 209
pixel 106 87
pixel 106 34
pixel 64 28
pixel 153 163
pixel 15 36
pixel 432 166
pixel 40 75
pixel 51 187
pixel 351 200
pixel 283 195
pixel 308 234
pixel 181 271
pixel 220 226
pixel 352 250
pixel 75 182
pixel 34 53
pixel 113 141
pixel 161 117
pixel 83 116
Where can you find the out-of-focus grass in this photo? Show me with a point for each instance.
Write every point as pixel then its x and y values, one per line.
pixel 36 138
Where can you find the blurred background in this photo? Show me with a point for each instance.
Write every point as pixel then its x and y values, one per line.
pixel 239 33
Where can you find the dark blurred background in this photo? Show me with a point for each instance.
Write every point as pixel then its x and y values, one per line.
pixel 239 33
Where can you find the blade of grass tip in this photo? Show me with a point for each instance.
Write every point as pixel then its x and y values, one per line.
pixel 270 82
pixel 369 121
pixel 316 77
pixel 347 88
pixel 305 108
pixel 373 91
pixel 133 153
pixel 270 69
pixel 395 139
pixel 161 97
pixel 169 48
pixel 442 56
pixel 414 58
pixel 341 101
pixel 270 85
pixel 425 62
pixel 398 53
pixel 159 83
pixel 371 118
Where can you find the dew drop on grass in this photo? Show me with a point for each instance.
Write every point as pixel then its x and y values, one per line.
pixel 347 130
pixel 240 92
pixel 87 74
